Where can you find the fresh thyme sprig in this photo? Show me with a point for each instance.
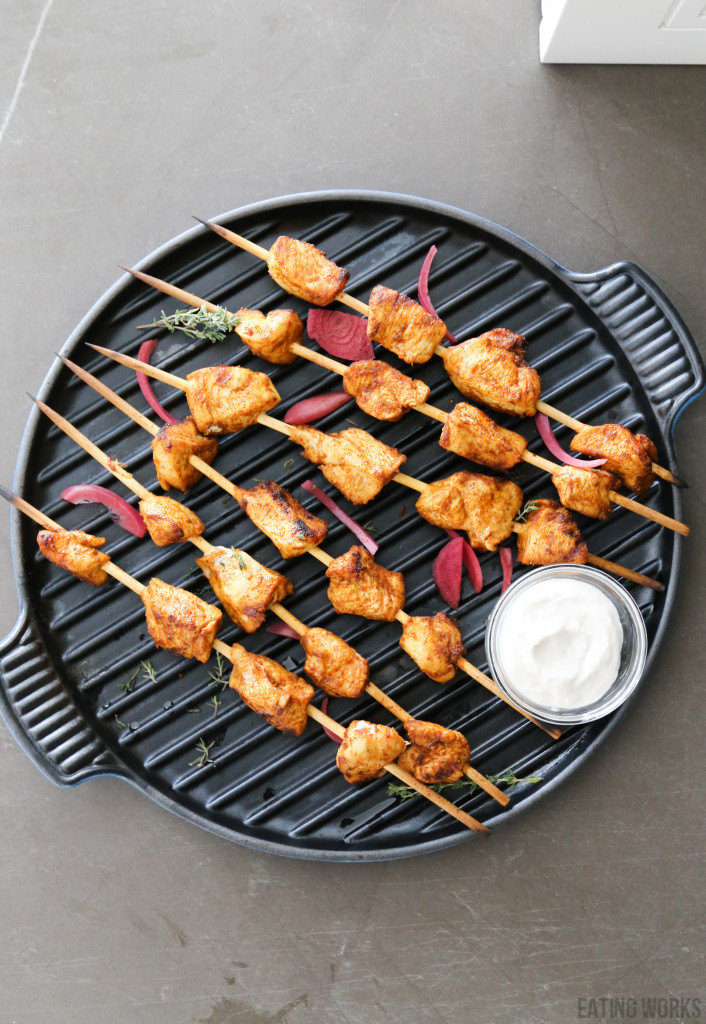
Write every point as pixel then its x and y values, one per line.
pixel 129 685
pixel 509 778
pixel 148 671
pixel 204 749
pixel 219 677
pixel 216 702
pixel 202 323
pixel 531 506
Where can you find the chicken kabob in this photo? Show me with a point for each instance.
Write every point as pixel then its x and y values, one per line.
pixel 484 506
pixel 246 589
pixel 184 624
pixel 406 328
pixel 386 394
pixel 358 585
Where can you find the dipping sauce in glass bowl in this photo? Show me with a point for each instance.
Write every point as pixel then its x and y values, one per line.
pixel 566 643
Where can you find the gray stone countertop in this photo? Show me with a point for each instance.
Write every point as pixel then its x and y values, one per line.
pixel 118 121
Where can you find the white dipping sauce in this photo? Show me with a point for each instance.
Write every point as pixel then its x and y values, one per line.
pixel 560 643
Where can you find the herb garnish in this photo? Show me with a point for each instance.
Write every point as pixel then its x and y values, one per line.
pixel 129 686
pixel 531 506
pixel 219 677
pixel 148 671
pixel 216 702
pixel 204 749
pixel 508 777
pixel 288 464
pixel 213 326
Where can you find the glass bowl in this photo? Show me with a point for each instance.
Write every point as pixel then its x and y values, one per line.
pixel 632 655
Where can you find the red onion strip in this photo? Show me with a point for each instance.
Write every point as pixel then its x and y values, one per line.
pixel 331 735
pixel 120 512
pixel 144 354
pixel 282 629
pixel 447 570
pixel 506 561
pixel 545 430
pixel 423 290
pixel 314 408
pixel 342 335
pixel 365 539
pixel 471 563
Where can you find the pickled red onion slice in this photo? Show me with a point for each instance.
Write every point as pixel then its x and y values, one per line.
pixel 447 570
pixel 506 561
pixel 546 433
pixel 365 539
pixel 144 354
pixel 120 512
pixel 314 408
pixel 423 290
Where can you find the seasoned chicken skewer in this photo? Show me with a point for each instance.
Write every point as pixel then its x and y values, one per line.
pixel 471 433
pixel 515 371
pixel 331 663
pixel 375 463
pixel 392 600
pixel 245 664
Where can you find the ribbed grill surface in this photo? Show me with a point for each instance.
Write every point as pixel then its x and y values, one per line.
pixel 259 786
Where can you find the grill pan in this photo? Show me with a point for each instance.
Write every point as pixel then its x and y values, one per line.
pixel 609 347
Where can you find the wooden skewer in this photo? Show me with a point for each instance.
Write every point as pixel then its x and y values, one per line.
pixel 428 410
pixel 203 545
pixel 223 648
pixel 362 308
pixel 401 478
pixel 235 492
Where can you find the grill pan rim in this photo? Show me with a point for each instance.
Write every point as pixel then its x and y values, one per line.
pixel 268 207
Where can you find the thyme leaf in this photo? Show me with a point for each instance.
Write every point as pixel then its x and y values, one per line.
pixel 148 671
pixel 204 749
pixel 129 685
pixel 202 323
pixel 216 702
pixel 289 464
pixel 403 792
pixel 531 506
pixel 219 676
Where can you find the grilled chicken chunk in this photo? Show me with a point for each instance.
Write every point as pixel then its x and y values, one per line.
pixel 491 369
pixel 436 754
pixel 484 506
pixel 359 586
pixel 403 326
pixel 225 399
pixel 277 513
pixel 270 690
pixel 586 490
pixel 333 665
pixel 303 270
pixel 271 337
pixel 550 534
pixel 245 588
pixel 366 749
pixel 76 551
pixel 169 521
pixel 382 391
pixel 172 448
pixel 474 435
pixel 434 642
pixel 630 456
pixel 179 621
pixel 352 460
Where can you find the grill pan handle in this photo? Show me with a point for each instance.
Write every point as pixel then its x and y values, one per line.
pixel 651 333
pixel 43 717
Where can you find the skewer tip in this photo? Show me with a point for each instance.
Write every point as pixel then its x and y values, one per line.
pixel 205 223
pixel 8 495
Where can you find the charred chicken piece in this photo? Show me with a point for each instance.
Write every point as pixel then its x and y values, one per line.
pixel 303 270
pixel 359 586
pixel 403 326
pixel 630 456
pixel 172 448
pixel 474 435
pixel 225 399
pixel 333 665
pixel 491 369
pixel 352 460
pixel 550 534
pixel 169 521
pixel 180 622
pixel 76 551
pixel 484 506
pixel 277 513
pixel 245 588
pixel 366 749
pixel 382 391
pixel 271 337
pixel 436 754
pixel 271 690
pixel 434 642
pixel 586 490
